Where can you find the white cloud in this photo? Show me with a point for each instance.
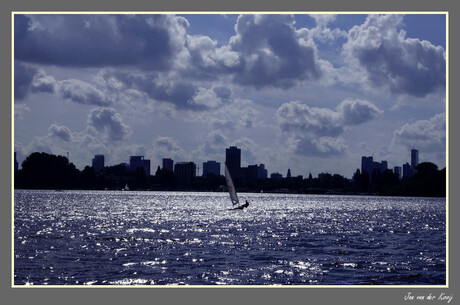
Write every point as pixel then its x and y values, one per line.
pixel 82 92
pixel 426 135
pixel 108 124
pixel 314 131
pixel 392 61
pixel 272 52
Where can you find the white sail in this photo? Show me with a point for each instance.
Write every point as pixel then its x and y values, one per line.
pixel 231 187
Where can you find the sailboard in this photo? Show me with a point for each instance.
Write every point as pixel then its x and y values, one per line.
pixel 232 191
pixel 231 187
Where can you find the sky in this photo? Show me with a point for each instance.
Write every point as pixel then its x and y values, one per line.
pixel 309 92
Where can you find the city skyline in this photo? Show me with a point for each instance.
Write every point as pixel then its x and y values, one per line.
pixel 259 171
pixel 313 93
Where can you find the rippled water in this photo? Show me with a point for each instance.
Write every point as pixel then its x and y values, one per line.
pixel 145 238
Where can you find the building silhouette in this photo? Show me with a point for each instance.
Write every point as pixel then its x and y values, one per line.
pixel 413 160
pixel 276 176
pixel 288 173
pixel 262 172
pixel 16 164
pixel 139 161
pixel 185 173
pixel 407 170
pixel 98 163
pixel 233 161
pixel 211 167
pixel 168 164
pixel 397 171
pixel 369 166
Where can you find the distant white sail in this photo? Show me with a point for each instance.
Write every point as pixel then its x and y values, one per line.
pixel 231 187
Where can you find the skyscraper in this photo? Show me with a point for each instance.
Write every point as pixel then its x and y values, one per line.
pixel 98 163
pixel 139 161
pixel 413 159
pixel 211 167
pixel 233 161
pixel 168 164
pixel 185 173
pixel 262 172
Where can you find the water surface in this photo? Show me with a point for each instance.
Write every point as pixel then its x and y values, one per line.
pixel 162 238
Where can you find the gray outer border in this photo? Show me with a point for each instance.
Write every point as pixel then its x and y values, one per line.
pixel 222 296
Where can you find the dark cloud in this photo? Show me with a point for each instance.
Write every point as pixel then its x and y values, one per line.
pixel 146 41
pixel 29 79
pixel 60 132
pixel 273 53
pixel 182 94
pixel 108 123
pixel 403 65
pixel 83 93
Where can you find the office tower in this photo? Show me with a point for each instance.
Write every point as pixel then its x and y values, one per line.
pixel 185 173
pixel 262 172
pixel 407 171
pixel 413 159
pixel 233 161
pixel 139 161
pixel 98 163
pixel 276 176
pixel 397 170
pixel 168 164
pixel 211 167
pixel 368 165
pixel 288 173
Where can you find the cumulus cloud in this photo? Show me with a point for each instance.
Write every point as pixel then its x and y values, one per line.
pixel 20 111
pixel 183 94
pixel 146 41
pixel 237 114
pixel 390 60
pixel 214 144
pixel 83 93
pixel 167 147
pixel 272 52
pixel 108 123
pixel 60 132
pixel 206 59
pixel 357 111
pixel 427 135
pixel 314 131
pixel 317 147
pixel 30 79
pixel 322 33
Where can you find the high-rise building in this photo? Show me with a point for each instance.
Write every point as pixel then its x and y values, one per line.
pixel 407 170
pixel 211 167
pixel 251 172
pixel 413 159
pixel 397 170
pixel 276 176
pixel 139 161
pixel 185 173
pixel 98 163
pixel 168 164
pixel 233 161
pixel 369 166
pixel 288 173
pixel 262 172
